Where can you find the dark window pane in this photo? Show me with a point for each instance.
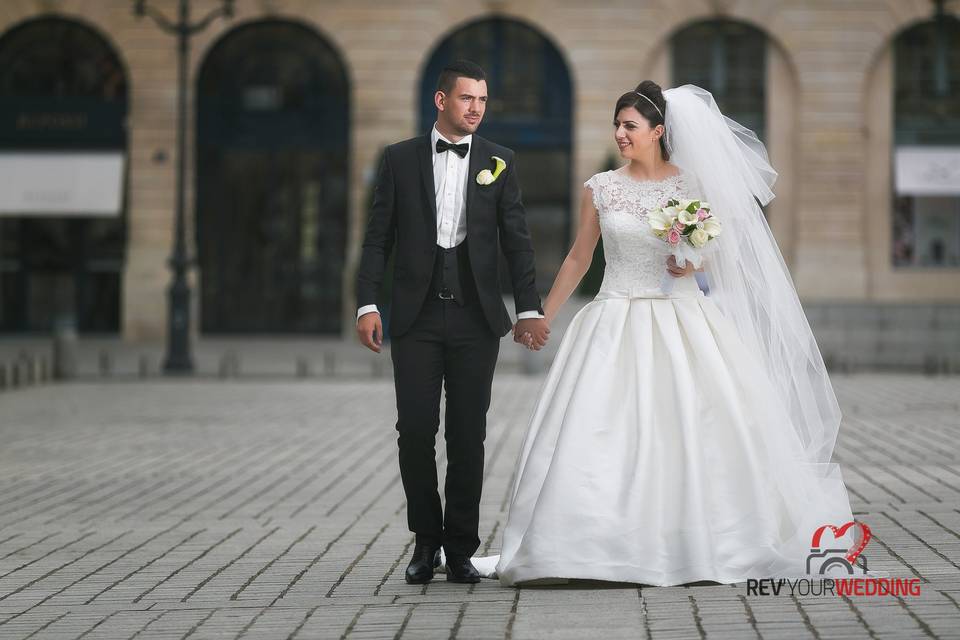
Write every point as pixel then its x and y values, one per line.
pixel 927 84
pixel 727 59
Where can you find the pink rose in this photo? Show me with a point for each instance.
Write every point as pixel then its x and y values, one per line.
pixel 702 213
pixel 674 236
pixel 679 226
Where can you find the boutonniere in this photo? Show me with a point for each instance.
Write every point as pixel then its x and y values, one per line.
pixel 486 176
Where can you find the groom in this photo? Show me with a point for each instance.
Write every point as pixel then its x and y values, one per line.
pixel 447 311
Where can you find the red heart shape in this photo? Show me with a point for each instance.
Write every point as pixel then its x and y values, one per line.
pixel 853 552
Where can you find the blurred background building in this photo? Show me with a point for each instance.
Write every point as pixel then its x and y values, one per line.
pixel 291 102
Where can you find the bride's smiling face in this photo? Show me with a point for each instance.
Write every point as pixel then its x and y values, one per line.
pixel 634 135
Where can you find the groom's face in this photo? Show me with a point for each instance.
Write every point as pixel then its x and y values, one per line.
pixel 462 109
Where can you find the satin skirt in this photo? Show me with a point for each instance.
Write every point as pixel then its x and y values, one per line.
pixel 654 455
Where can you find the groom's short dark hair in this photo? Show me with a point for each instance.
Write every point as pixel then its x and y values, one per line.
pixel 458 69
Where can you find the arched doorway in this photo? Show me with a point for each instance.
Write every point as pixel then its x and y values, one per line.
pixel 926 140
pixel 529 111
pixel 63 105
pixel 272 162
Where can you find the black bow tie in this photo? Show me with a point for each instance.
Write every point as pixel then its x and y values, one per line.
pixel 459 149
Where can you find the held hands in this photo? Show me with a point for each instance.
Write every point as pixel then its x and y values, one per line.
pixel 676 271
pixel 370 331
pixel 532 333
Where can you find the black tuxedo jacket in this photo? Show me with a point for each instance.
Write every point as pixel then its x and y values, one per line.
pixel 404 215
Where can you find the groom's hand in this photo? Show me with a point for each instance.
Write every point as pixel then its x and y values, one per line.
pixel 532 333
pixel 370 331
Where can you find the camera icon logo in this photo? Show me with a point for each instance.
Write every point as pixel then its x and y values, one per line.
pixel 838 561
pixel 833 562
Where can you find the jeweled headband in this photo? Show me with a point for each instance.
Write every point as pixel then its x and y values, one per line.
pixel 651 102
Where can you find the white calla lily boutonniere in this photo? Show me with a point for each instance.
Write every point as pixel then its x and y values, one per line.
pixel 486 176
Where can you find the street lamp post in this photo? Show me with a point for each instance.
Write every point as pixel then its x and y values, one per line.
pixel 178 359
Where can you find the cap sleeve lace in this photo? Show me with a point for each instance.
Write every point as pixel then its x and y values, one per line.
pixel 596 184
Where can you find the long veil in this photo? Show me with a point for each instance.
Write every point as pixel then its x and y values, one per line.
pixel 746 274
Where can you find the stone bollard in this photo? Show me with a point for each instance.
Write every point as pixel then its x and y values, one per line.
pixel 224 368
pixel 29 373
pixel 17 379
pixel 64 348
pixel 106 363
pixel 329 364
pixel 230 365
pixel 144 365
pixel 303 367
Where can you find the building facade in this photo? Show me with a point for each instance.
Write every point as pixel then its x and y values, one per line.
pixel 291 102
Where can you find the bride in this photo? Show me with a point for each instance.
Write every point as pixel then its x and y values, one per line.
pixel 678 436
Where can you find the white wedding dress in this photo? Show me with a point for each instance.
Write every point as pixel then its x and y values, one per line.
pixel 649 457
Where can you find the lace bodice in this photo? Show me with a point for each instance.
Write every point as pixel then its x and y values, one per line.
pixel 622 205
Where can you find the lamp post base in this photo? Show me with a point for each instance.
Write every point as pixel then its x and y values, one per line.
pixel 178 360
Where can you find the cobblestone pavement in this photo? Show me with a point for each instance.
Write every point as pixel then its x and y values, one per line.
pixel 211 509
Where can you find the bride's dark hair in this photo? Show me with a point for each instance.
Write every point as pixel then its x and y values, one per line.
pixel 634 99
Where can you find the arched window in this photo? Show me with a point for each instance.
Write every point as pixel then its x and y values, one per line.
pixel 272 164
pixel 926 208
pixel 529 110
pixel 63 106
pixel 728 59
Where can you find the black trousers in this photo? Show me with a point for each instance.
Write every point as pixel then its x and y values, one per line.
pixel 451 345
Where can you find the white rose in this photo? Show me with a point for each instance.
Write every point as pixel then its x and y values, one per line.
pixel 698 238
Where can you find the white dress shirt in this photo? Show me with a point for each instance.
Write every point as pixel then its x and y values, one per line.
pixel 450 186
pixel 450 176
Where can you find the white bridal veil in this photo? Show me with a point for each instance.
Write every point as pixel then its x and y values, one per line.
pixel 747 277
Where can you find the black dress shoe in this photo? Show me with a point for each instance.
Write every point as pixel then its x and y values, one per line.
pixel 460 569
pixel 425 559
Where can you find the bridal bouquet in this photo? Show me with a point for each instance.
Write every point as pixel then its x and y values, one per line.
pixel 685 226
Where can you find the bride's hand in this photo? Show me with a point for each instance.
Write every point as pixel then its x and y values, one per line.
pixel 676 271
pixel 532 333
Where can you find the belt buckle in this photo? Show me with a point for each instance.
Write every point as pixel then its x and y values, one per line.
pixel 445 294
